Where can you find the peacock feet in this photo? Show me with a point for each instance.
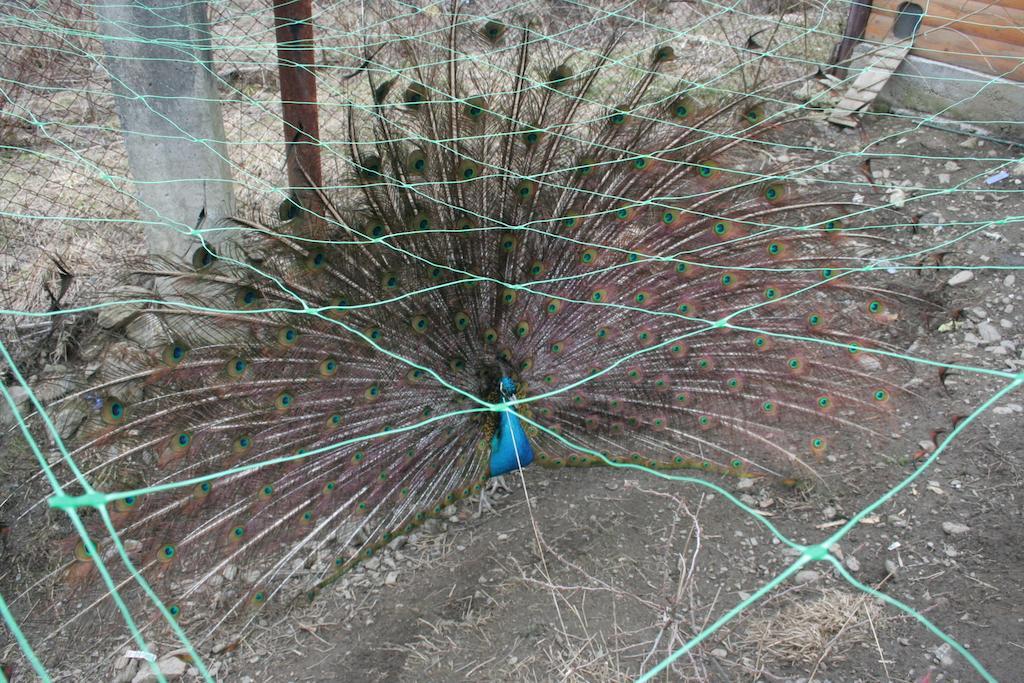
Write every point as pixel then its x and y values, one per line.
pixel 494 486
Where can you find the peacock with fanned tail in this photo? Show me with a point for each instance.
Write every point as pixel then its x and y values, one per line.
pixel 517 268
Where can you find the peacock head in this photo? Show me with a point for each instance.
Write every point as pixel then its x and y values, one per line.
pixel 507 387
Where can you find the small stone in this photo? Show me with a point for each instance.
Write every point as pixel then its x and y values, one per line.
pixel 955 528
pixel 989 332
pixel 172 669
pixel 744 484
pixel 807 576
pixel 853 564
pixel 1009 280
pixel 892 568
pixel 719 653
pixel 391 579
pixel 961 277
pixel 942 655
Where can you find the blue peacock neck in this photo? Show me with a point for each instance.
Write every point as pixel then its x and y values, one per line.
pixel 510 447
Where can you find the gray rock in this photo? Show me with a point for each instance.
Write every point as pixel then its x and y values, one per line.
pixel 172 669
pixel 807 576
pixel 961 277
pixel 955 528
pixel 989 332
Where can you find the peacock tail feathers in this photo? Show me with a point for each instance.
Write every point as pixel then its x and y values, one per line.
pixel 572 230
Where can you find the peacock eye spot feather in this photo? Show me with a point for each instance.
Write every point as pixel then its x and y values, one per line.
pixel 284 400
pixel 754 114
pixel 588 256
pixel 247 298
pixel 560 75
pixel 663 53
pixel 203 257
pixel 824 402
pixel 875 306
pixel 881 395
pixel 774 191
pixel 113 411
pixel 420 324
pixel 166 552
pixel 287 336
pixel 492 30
pixel 174 354
pixel 770 293
pixel 705 171
pixel 328 367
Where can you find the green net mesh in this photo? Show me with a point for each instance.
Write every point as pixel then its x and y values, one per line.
pixel 77 218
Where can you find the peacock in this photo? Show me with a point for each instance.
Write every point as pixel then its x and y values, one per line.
pixel 539 246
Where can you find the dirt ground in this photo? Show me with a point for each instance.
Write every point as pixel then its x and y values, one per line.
pixel 597 575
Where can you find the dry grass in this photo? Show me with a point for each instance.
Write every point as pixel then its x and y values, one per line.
pixel 806 631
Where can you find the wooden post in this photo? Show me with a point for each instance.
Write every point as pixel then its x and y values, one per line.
pixel 296 63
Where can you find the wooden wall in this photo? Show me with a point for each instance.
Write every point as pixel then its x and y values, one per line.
pixel 984 36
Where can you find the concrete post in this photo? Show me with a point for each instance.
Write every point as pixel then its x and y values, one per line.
pixel 159 57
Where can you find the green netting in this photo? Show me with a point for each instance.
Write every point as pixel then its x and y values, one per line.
pixel 68 204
